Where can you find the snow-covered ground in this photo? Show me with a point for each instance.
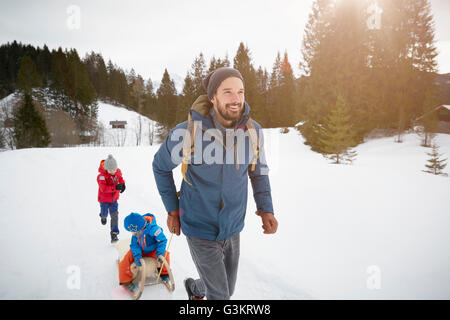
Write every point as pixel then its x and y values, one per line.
pixel 377 229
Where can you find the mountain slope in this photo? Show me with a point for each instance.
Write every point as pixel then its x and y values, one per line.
pixel 137 125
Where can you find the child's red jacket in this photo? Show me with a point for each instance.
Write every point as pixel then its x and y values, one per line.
pixel 107 184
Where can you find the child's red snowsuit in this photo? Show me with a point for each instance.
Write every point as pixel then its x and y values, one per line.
pixel 107 184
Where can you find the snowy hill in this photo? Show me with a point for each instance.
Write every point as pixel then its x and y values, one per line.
pixel 377 229
pixel 137 125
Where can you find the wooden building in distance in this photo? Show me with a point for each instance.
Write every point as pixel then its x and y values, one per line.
pixel 118 124
pixel 443 115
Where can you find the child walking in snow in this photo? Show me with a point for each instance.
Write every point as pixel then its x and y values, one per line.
pixel 110 185
pixel 148 240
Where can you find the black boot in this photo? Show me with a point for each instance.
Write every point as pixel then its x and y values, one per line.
pixel 114 237
pixel 187 285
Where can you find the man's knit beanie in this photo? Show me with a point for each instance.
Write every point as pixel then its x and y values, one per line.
pixel 215 78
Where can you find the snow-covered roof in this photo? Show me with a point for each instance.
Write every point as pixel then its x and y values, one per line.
pixel 447 106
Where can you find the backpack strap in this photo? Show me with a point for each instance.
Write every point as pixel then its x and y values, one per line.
pixel 188 146
pixel 255 141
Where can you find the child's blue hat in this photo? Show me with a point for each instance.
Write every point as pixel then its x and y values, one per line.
pixel 134 222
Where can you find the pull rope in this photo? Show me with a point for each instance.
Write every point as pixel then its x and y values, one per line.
pixel 165 255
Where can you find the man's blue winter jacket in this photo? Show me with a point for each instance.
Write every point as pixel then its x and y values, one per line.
pixel 214 206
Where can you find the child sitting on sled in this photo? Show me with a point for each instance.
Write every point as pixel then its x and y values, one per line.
pixel 148 240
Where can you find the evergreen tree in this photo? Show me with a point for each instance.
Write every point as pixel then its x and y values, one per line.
pixel 59 70
pixel 287 94
pixel 131 76
pixel 262 87
pixel 7 69
pixel 101 79
pixel 274 93
pixel 11 56
pixel 282 92
pixel 187 98
pixel 435 164
pixel 275 77
pixel 98 74
pixel 81 91
pixel 79 87
pixel 350 48
pixel 59 80
pixel 335 53
pixel 218 63
pixel 243 62
pixel 138 94
pixel 112 83
pixel 167 102
pixel 403 61
pixel 150 99
pixel 28 76
pixel 30 129
pixel 315 97
pixel 315 32
pixel 262 81
pixel 44 65
pixel 428 122
pixel 337 134
pixel 197 74
pixel 124 92
pixel 118 89
pixel 192 87
pixel 71 84
pixel 2 139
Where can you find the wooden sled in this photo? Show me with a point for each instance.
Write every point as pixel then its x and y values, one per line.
pixel 148 274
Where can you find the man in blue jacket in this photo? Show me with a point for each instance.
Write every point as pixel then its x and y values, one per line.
pixel 226 148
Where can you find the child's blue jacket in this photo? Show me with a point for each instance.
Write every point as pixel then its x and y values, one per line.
pixel 149 239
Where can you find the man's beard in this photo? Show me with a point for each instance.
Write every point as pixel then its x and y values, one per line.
pixel 227 114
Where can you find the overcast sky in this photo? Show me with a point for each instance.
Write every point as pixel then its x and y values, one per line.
pixel 152 35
